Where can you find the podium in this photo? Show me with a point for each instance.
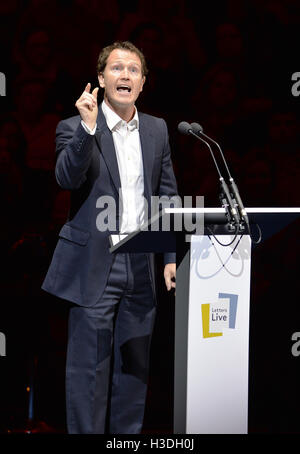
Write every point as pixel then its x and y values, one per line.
pixel 212 306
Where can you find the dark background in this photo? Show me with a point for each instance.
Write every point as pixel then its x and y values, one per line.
pixel 227 65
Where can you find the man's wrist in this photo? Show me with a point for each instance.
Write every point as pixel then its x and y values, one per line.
pixel 89 129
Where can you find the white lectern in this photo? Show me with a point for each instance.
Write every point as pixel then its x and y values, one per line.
pixel 211 314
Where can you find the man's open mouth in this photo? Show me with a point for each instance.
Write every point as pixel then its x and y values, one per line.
pixel 124 88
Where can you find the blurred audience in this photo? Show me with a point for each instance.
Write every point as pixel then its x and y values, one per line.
pixel 36 59
pixel 38 126
pixel 283 149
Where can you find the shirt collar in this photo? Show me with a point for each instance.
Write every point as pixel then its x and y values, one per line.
pixel 114 121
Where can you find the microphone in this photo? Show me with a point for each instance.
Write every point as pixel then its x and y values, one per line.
pixel 187 129
pixel 198 129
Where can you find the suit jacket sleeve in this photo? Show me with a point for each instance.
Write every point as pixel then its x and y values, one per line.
pixel 168 185
pixel 74 153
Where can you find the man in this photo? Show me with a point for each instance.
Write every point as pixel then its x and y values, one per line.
pixel 106 152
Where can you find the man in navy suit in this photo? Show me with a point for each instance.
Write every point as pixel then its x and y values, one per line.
pixel 115 153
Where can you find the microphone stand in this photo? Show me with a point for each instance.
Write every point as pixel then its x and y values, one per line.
pixel 234 189
pixel 225 198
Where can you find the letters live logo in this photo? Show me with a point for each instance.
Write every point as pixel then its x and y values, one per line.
pixel 217 317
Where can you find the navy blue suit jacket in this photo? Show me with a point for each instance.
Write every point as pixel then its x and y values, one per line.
pixel 87 166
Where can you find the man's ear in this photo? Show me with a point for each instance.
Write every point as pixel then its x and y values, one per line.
pixel 101 80
pixel 142 85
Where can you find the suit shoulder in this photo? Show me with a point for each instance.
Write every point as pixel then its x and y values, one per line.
pixel 152 121
pixel 69 123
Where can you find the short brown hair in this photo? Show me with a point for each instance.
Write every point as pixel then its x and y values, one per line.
pixel 125 45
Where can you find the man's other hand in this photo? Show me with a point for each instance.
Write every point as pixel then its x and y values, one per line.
pixel 170 275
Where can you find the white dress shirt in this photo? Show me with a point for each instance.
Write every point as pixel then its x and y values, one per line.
pixel 126 139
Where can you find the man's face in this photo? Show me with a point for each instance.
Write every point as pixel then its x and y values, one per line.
pixel 122 79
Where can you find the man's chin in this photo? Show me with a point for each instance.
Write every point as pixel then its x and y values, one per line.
pixel 120 104
pixel 124 102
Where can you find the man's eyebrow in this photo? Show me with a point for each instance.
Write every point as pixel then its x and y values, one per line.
pixel 130 63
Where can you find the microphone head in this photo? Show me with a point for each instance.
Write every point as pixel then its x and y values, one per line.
pixel 197 129
pixel 184 127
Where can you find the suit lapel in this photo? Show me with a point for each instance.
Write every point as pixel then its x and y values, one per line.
pixel 107 148
pixel 148 147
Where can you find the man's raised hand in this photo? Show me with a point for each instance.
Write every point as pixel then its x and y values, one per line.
pixel 87 106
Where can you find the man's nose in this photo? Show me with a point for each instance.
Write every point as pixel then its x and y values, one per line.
pixel 125 73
